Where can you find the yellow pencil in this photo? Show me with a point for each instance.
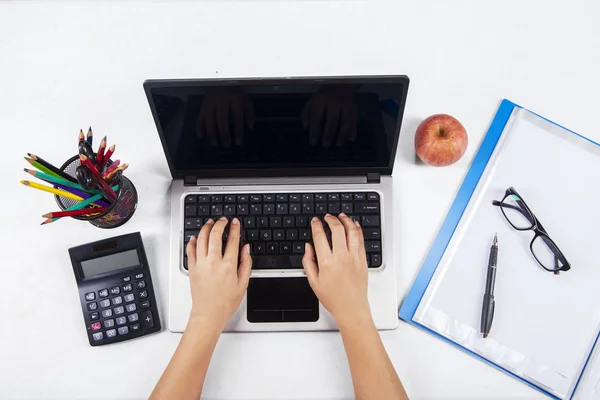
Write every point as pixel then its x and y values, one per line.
pixel 62 193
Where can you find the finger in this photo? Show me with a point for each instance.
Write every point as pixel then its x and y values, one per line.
pixel 245 268
pixel 331 124
pixel 233 242
pixel 338 233
pixel 310 265
pixel 362 253
pixel 190 251
pixel 316 119
pixel 237 112
pixel 211 127
pixel 345 127
pixel 215 239
pixel 223 123
pixel 320 240
pixel 202 242
pixel 200 122
pixel 248 112
pixel 305 115
pixel 352 239
pixel 353 122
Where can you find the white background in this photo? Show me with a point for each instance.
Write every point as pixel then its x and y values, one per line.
pixel 67 65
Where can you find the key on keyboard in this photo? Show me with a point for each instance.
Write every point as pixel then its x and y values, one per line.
pixel 278 225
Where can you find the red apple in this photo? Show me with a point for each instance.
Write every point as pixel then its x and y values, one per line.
pixel 440 140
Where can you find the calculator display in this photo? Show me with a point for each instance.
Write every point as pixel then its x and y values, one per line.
pixel 109 263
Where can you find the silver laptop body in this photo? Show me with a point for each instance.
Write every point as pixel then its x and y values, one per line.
pixel 229 181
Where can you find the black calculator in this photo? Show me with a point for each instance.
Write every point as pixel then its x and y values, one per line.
pixel 115 288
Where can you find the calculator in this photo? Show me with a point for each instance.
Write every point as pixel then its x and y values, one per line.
pixel 115 288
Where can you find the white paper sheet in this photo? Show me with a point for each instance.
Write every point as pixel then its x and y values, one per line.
pixel 544 324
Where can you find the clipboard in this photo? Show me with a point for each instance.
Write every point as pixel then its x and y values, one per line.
pixel 559 306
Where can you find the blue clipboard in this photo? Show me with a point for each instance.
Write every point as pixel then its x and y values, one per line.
pixel 411 303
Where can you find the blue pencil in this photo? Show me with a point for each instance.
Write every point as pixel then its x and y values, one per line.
pixel 90 136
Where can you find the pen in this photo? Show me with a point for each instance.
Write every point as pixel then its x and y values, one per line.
pixel 487 311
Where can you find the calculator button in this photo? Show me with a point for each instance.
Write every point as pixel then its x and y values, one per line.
pixel 111 333
pixel 128 297
pixel 94 316
pixel 139 276
pixel 147 319
pixel 103 293
pixel 130 307
pixel 123 330
pixel 117 300
pixel 107 313
pixel 125 279
pixel 133 317
pixel 135 327
pixel 115 290
pixel 119 310
pixel 140 284
pixel 127 288
pixel 92 306
pixel 90 296
pixel 143 294
pixel 105 303
pixel 109 323
pixel 96 326
pixel 145 304
pixel 121 320
pixel 98 336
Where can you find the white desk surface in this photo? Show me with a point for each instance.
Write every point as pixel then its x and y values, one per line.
pixel 66 65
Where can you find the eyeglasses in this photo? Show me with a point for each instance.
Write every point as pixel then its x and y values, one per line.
pixel 518 214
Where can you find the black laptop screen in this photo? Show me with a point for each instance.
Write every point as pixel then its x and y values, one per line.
pixel 241 126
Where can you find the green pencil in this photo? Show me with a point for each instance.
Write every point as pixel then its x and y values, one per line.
pixel 81 204
pixel 40 167
pixel 60 181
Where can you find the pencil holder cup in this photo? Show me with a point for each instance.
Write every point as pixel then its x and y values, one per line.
pixel 119 211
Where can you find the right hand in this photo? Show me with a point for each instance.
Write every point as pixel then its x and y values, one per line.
pixel 220 105
pixel 340 278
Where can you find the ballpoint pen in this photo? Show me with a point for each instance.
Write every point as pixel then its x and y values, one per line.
pixel 487 311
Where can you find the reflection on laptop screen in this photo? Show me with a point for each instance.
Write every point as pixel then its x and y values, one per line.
pixel 251 126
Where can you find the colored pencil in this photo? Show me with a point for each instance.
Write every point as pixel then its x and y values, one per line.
pixel 81 205
pixel 49 189
pixel 111 167
pixel 53 179
pixel 90 136
pixel 104 186
pixel 100 154
pixel 52 168
pixel 114 171
pixel 40 167
pixel 81 135
pixel 107 156
pixel 73 213
pixel 66 185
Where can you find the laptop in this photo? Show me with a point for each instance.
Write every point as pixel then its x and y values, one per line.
pixel 275 153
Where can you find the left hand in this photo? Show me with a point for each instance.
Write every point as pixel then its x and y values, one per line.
pixel 218 286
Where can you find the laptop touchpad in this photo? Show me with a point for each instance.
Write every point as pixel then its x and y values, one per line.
pixel 281 300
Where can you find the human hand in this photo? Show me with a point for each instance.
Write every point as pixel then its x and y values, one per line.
pixel 340 278
pixel 217 284
pixel 220 106
pixel 335 107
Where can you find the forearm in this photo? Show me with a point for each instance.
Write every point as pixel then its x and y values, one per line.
pixel 373 374
pixel 184 376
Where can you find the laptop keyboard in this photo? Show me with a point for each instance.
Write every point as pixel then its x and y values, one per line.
pixel 277 225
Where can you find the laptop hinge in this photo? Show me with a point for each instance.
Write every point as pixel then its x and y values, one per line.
pixel 190 180
pixel 373 177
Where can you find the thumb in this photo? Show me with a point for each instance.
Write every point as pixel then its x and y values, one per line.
pixel 245 267
pixel 310 266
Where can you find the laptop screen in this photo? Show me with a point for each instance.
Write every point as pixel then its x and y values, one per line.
pixel 245 127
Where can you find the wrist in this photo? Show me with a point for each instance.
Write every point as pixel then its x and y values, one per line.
pixel 205 324
pixel 357 320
